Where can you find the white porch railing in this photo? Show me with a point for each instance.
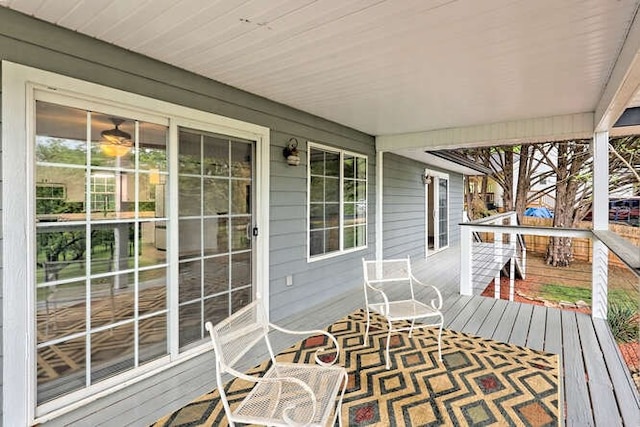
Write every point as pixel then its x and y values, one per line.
pixel 502 241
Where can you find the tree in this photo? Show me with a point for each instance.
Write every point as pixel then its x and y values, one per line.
pixel 571 163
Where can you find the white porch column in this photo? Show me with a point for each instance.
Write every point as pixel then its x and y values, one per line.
pixel 599 268
pixel 466 247
pixel 379 206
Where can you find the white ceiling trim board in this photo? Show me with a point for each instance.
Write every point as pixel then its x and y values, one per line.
pixel 556 128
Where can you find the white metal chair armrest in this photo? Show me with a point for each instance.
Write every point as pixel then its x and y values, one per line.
pixel 384 298
pixel 428 285
pixel 313 332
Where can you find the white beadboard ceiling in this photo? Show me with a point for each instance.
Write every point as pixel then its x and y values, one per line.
pixel 384 67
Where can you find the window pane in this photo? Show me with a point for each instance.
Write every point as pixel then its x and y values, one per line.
pixel 153 243
pixel 190 323
pixel 216 236
pixel 332 190
pixel 332 164
pixel 189 281
pixel 362 167
pixel 112 247
pixel 349 166
pixel 349 237
pixel 189 238
pixel 153 147
pixel 189 153
pixel 316 162
pixel 60 194
pixel 317 216
pixel 60 310
pixel 241 159
pixel 60 253
pixel 317 189
pixel 216 275
pixel 316 243
pixel 332 240
pixel 152 193
pixel 216 196
pixel 61 134
pixel 349 213
pixel 361 235
pixel 240 298
pixel 216 156
pixel 111 352
pixel 110 151
pixel 216 308
pixel 241 269
pixel 332 212
pixel 239 237
pixel 153 338
pixel 61 369
pixel 189 189
pixel 349 191
pixel 112 299
pixel 153 290
pixel 241 197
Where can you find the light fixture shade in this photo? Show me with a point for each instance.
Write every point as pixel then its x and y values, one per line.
pixel 116 142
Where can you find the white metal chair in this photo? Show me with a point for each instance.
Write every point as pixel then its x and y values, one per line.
pixel 288 393
pixel 390 290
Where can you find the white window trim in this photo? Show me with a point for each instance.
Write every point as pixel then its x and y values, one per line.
pixel 18 90
pixel 342 153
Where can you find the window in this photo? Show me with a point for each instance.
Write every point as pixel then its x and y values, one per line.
pixel 337 201
pixel 117 286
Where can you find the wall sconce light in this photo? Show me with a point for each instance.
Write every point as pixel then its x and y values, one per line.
pixel 426 179
pixel 290 152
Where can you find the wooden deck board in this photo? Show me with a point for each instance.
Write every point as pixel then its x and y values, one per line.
pixel 535 338
pixel 490 324
pixel 624 389
pixel 553 332
pixel 521 327
pixel 475 322
pixel 598 380
pixel 465 314
pixel 503 331
pixel 578 403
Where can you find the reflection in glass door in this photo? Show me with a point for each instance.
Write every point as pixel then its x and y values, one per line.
pixel 436 211
pixel 215 229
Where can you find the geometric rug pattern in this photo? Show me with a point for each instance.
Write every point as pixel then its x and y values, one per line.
pixel 479 382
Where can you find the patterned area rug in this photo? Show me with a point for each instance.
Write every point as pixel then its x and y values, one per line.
pixel 479 382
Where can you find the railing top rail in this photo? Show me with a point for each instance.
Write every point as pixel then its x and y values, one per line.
pixel 531 230
pixel 489 219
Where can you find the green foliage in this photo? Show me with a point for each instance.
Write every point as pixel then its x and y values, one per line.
pixel 555 292
pixel 623 321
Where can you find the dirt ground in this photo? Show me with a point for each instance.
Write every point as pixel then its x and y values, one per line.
pixel 577 275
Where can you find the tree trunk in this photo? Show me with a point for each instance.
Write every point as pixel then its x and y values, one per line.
pixel 559 252
pixel 507 196
pixel 524 180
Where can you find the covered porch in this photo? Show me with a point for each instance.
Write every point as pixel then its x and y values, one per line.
pixel 596 386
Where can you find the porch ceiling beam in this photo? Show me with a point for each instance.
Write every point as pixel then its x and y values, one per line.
pixel 542 129
pixel 624 80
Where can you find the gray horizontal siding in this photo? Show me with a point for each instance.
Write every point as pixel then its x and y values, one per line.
pixel 27 41
pixel 404 207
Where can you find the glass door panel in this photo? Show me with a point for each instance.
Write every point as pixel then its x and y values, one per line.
pixel 443 213
pixel 215 229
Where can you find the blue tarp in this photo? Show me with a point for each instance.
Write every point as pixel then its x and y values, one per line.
pixel 540 212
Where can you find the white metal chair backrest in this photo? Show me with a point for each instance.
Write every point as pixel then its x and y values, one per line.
pixel 392 270
pixel 236 335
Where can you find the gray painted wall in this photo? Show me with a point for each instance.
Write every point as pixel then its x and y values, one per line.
pixel 27 41
pixel 404 207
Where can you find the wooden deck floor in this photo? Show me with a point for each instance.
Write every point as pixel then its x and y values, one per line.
pixel 597 387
